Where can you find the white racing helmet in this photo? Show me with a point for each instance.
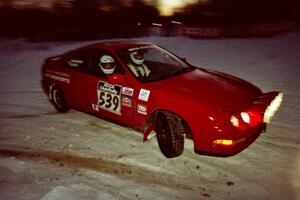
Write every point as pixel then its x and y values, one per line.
pixel 107 64
pixel 137 57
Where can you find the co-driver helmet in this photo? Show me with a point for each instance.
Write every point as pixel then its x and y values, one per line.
pixel 137 57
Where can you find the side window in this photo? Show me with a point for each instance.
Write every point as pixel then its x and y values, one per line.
pixel 85 61
pixel 75 61
pixel 93 62
pixel 89 62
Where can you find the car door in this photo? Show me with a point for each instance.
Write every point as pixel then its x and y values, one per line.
pixel 81 80
pixel 94 93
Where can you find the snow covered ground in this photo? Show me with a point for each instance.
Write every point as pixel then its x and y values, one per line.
pixel 51 156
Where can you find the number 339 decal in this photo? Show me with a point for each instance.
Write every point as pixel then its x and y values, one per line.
pixel 109 96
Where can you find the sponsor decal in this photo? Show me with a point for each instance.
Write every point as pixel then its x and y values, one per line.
pixel 127 91
pixel 142 109
pixel 62 74
pixel 58 78
pixel 109 97
pixel 138 48
pixel 144 95
pixel 127 101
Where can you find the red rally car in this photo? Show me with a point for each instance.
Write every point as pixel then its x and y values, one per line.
pixel 145 87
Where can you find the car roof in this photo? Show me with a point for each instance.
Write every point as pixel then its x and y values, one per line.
pixel 118 44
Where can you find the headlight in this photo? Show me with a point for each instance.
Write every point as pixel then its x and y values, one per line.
pixel 234 121
pixel 241 120
pixel 253 117
pixel 245 117
pixel 272 108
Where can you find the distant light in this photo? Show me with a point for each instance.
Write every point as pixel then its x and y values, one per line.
pixel 176 22
pixel 170 7
pixel 156 24
pixel 139 23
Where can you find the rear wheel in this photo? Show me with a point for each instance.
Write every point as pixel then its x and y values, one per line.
pixel 57 98
pixel 170 135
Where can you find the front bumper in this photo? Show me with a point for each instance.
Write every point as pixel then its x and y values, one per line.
pixel 238 144
pixel 229 140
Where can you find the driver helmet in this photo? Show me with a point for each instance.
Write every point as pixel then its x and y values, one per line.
pixel 107 64
pixel 137 57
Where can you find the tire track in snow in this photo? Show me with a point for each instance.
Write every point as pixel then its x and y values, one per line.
pixel 124 171
pixel 27 115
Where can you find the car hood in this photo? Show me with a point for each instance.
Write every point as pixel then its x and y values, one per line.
pixel 213 88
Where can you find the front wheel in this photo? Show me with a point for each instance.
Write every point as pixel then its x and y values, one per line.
pixel 169 134
pixel 57 98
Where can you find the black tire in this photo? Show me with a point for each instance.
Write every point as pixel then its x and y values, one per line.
pixel 58 100
pixel 169 133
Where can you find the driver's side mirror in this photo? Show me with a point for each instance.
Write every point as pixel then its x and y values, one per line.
pixel 115 78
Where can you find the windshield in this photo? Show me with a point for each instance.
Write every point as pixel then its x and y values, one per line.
pixel 151 63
